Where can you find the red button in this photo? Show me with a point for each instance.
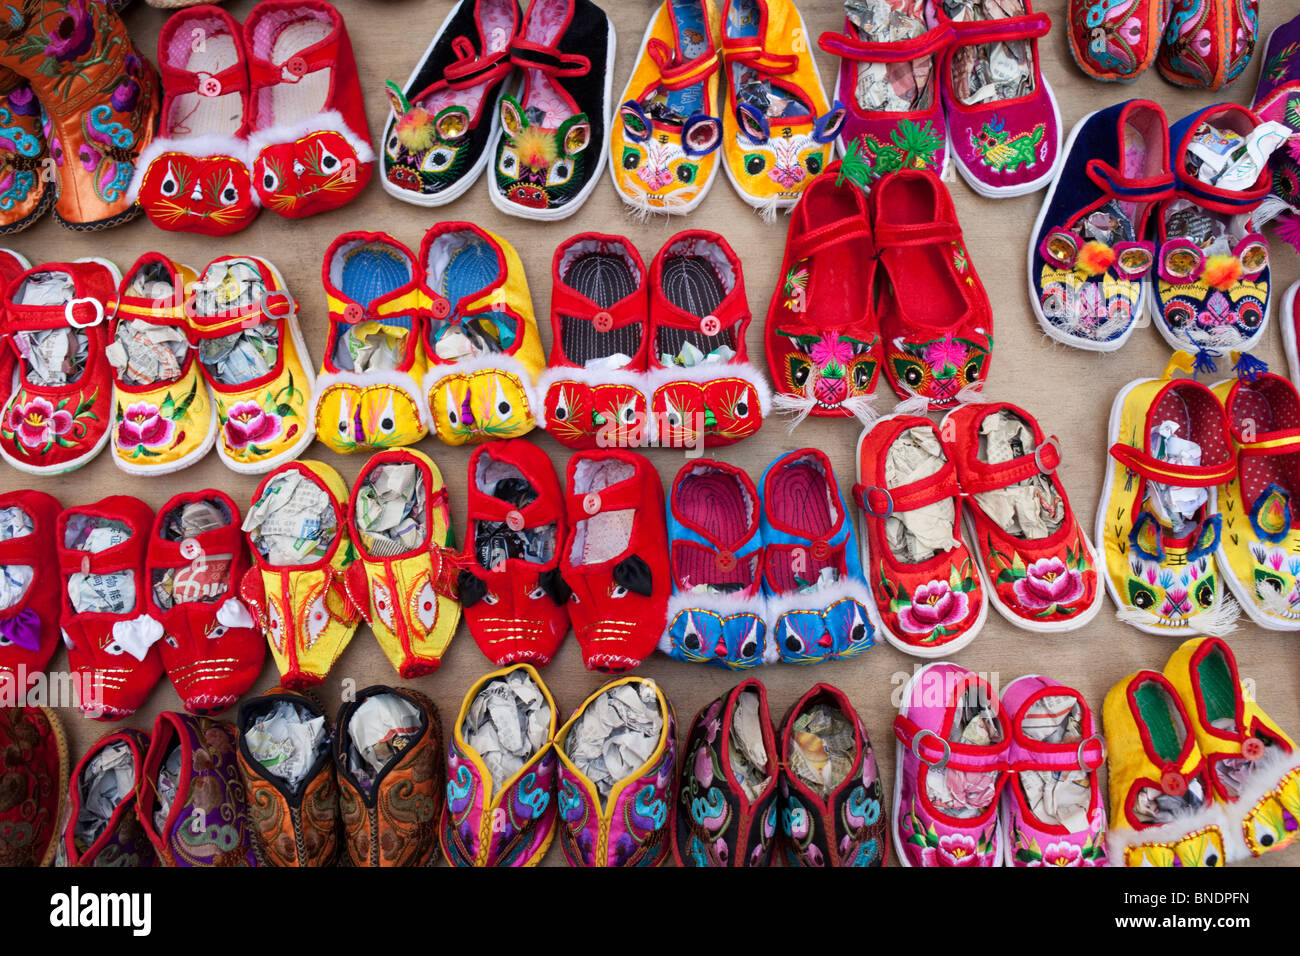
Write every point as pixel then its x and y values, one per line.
pixel 710 325
pixel 591 503
pixel 296 65
pixel 515 521
pixel 603 321
pixel 209 86
pixel 440 307
pixel 725 560
pixel 1173 783
pixel 353 313
pixel 1252 748
pixel 821 550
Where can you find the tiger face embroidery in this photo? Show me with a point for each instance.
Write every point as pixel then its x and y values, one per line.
pixel 211 195
pixel 664 166
pixel 940 368
pixel 537 167
pixel 424 153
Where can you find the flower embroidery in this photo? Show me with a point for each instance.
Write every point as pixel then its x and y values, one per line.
pixel 934 606
pixel 831 352
pixel 945 353
pixel 73 35
pixel 954 849
pixel 144 424
pixel 247 423
pixel 1048 582
pixel 38 423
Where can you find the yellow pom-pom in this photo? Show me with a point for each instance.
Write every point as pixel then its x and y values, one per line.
pixel 1221 271
pixel 1095 258
pixel 415 130
pixel 535 148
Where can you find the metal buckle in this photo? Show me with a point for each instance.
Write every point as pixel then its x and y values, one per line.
pixel 866 502
pixel 947 751
pixel 278 295
pixel 1051 441
pixel 1084 743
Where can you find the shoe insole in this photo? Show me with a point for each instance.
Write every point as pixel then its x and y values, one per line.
pixel 604 279
pixel 462 266
pixel 798 499
pixel 692 284
pixel 912 202
pixel 716 505
pixel 544 104
pixel 193 114
pixel 372 271
pixel 1217 688
pixel 1259 471
pixel 771 98
pixel 840 272
pixel 297 102
pixel 496 18
pixel 1197 415
pixel 1157 713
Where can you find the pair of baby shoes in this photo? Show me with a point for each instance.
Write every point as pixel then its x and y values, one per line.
pixel 929 80
pixel 967 513
pixel 871 281
pixel 811 791
pixel 143 594
pixel 537 559
pixel 1277 100
pixel 650 359
pixel 446 342
pixel 983 781
pixel 763 574
pixel 526 92
pixel 268 114
pixel 1199 774
pixel 1201 44
pixel 80 101
pixel 324 559
pixel 172 797
pixel 367 792
pixel 34 755
pixel 1119 232
pixel 773 121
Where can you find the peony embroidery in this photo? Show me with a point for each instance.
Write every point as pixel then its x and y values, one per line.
pixel 248 424
pixel 950 849
pixel 1046 587
pixel 935 606
pixel 1048 582
pixel 39 423
pixel 141 425
pixel 73 35
pixel 1091 852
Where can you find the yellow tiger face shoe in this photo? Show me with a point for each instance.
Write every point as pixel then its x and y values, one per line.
pixel 1252 764
pixel 663 143
pixel 404 579
pixel 298 535
pixel 368 393
pixel 244 324
pixel 484 350
pixel 1158 523
pixel 1162 807
pixel 163 417
pixel 778 130
pixel 1259 550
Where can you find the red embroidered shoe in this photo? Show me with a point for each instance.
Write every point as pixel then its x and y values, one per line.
pixel 211 647
pixel 1039 568
pixel 106 624
pixel 923 577
pixel 514 598
pixel 34 764
pixel 58 413
pixel 309 140
pixel 593 388
pixel 195 176
pixel 823 343
pixel 102 825
pixel 29 562
pixel 615 558
pixel 938 343
pixel 703 390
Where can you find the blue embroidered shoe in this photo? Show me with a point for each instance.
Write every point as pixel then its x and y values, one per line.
pixel 1088 260
pixel 832 802
pixel 816 598
pixel 1212 273
pixel 715 555
pixel 726 804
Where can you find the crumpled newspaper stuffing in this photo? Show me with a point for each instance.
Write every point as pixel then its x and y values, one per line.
pixel 985 73
pixel 1174 507
pixel 147 354
pixel 242 356
pixel 1029 509
pixel 293 522
pixel 824 747
pixel 1057 796
pixel 113 592
pixel 169 779
pixel 894 87
pixel 690 355
pixel 918 535
pixel 205 577
pixel 507 724
pixel 747 752
pixel 616 735
pixel 371 347
pixel 107 780
pixel 391 515
pixel 1226 159
pixel 960 793
pixel 286 741
pixel 53 356
pixel 14 578
pixel 381 729
pixel 495 541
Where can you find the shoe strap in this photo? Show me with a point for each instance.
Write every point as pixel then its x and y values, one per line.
pixel 751 52
pixel 261 72
pixel 1141 462
pixel 931 749
pixel 1087 755
pixel 675 74
pixel 570 303
pixel 1028 26
pixel 626 495
pixel 485 507
pixel 918 234
pixel 1270 443
pixel 898 51
pixel 842 230
pixel 342 309
pixel 233 79
pixel 470 69
pixel 880 502
pixel 1123 187
pixel 980 476
pixel 547 59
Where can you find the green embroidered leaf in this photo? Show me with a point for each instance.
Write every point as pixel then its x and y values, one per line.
pixel 1027 856
pixel 916 840
pixel 183 408
pixel 1005 577
pixel 284 411
pixel 63 401
pixel 168 407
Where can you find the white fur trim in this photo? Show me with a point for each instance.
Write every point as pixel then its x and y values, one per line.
pixel 330 120
pixel 595 376
pixel 1119 839
pixel 401 381
pixel 1265 775
pixel 778 605
pixel 205 146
